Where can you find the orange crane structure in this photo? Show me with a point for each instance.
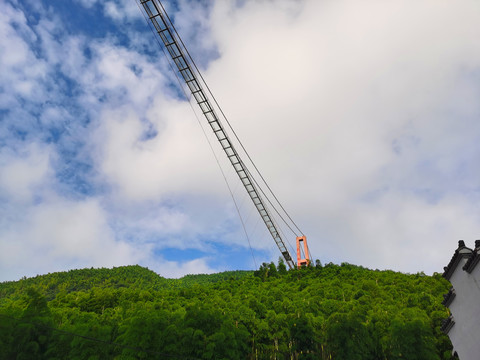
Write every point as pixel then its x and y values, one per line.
pixel 179 54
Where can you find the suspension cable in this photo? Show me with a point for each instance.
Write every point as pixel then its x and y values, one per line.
pixel 204 133
pixel 229 125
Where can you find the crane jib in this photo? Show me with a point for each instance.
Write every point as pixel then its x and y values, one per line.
pixel 160 22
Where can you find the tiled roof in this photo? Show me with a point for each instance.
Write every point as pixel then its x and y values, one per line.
pixel 448 297
pixel 459 254
pixel 447 324
pixel 474 259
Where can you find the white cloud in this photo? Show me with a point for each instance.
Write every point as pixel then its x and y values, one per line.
pixel 21 69
pixel 87 3
pixel 121 10
pixel 363 117
pixel 335 102
pixel 324 97
pixel 173 269
pixel 60 234
pixel 176 160
pixel 399 231
pixel 22 174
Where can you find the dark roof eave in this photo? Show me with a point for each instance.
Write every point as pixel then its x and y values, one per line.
pixel 448 297
pixel 461 253
pixel 447 324
pixel 472 262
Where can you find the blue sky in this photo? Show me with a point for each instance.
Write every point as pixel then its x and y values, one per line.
pixel 364 119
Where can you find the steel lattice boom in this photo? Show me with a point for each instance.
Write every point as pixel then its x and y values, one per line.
pixel 161 23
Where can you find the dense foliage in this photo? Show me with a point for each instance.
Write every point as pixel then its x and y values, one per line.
pixel 320 312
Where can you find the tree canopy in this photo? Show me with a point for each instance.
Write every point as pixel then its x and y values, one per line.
pixel 318 312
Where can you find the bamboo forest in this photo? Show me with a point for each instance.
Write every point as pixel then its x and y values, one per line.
pixel 317 312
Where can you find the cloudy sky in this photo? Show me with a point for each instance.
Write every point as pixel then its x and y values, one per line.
pixel 363 116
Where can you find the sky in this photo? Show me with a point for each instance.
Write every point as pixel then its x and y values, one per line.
pixel 363 117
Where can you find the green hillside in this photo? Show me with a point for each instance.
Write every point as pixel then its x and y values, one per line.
pixel 330 312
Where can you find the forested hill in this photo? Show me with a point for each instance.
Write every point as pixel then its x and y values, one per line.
pixel 322 312
pixel 135 276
